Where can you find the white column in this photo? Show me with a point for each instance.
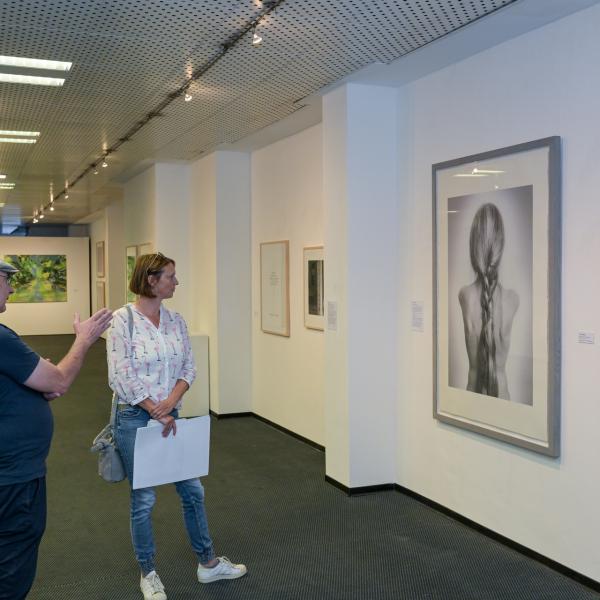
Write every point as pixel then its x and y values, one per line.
pixel 360 167
pixel 220 245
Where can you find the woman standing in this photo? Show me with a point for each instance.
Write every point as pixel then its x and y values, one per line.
pixel 150 370
pixel 488 308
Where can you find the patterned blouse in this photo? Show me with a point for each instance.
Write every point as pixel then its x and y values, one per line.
pixel 148 364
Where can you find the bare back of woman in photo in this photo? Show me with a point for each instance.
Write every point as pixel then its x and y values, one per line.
pixel 488 309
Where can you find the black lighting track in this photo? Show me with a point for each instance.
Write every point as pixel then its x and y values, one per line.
pixel 268 7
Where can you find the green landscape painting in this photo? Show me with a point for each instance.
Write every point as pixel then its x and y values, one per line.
pixel 41 277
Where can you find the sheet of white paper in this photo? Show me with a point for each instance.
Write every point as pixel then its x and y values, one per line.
pixel 158 460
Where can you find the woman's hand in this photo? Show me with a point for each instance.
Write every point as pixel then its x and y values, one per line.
pixel 162 409
pixel 170 425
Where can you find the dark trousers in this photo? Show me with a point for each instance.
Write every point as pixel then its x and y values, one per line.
pixel 22 524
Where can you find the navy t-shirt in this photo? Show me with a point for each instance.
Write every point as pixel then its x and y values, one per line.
pixel 26 422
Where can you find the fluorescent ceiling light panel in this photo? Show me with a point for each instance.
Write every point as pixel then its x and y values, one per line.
pixel 19 133
pixel 34 63
pixel 16 140
pixel 2 176
pixel 31 79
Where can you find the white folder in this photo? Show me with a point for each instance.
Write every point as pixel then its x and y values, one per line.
pixel 158 460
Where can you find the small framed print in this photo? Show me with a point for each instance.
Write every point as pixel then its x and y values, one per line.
pixel 130 258
pixel 100 295
pixel 497 257
pixel 100 270
pixel 274 288
pixel 145 249
pixel 314 281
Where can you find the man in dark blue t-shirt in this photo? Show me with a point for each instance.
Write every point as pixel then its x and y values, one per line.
pixel 27 383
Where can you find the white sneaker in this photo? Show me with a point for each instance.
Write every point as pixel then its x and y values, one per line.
pixel 152 587
pixel 225 569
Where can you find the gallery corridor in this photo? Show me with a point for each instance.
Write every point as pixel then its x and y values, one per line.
pixel 268 506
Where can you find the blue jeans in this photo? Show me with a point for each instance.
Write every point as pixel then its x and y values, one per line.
pixel 190 491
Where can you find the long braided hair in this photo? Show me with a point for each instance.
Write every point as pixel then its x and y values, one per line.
pixel 486 244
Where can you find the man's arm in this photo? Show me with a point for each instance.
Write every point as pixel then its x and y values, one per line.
pixel 56 379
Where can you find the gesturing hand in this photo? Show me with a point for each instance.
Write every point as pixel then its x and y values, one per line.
pixel 91 329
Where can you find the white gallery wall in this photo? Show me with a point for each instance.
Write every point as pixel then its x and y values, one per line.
pixel 288 385
pixel 219 234
pixel 534 86
pixel 46 318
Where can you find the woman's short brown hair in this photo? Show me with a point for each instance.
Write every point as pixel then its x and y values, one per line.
pixel 145 265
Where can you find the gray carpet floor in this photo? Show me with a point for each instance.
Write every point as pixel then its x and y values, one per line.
pixel 269 507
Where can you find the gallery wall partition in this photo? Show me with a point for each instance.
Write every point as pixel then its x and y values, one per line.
pixel 53 283
pixel 287 205
pixel 532 88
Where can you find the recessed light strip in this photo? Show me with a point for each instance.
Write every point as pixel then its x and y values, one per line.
pixel 31 79
pixel 20 133
pixel 35 63
pixel 16 140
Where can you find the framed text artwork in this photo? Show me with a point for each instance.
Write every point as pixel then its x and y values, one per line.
pixel 274 288
pixel 314 273
pixel 496 294
pixel 144 249
pixel 100 259
pixel 130 257
pixel 100 295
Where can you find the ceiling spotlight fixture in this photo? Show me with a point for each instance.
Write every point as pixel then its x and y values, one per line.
pixel 52 207
pixel 104 164
pixel 66 196
pixel 95 171
pixel 187 97
pixel 256 39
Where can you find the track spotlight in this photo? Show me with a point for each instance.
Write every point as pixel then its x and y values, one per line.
pixel 256 39
pixel 188 97
pixel 95 171
pixel 104 164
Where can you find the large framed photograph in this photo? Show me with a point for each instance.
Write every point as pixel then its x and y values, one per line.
pixel 41 278
pixel 100 272
pixel 274 288
pixel 496 294
pixel 314 282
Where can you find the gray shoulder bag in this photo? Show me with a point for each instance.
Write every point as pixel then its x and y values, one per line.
pixel 110 464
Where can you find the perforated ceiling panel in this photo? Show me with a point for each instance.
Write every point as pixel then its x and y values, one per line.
pixel 128 56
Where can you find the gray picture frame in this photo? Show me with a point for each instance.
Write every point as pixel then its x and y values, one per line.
pixel 536 164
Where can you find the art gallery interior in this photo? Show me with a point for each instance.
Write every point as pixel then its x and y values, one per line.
pixel 323 135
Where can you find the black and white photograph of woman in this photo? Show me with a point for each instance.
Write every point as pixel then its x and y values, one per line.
pixel 490 270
